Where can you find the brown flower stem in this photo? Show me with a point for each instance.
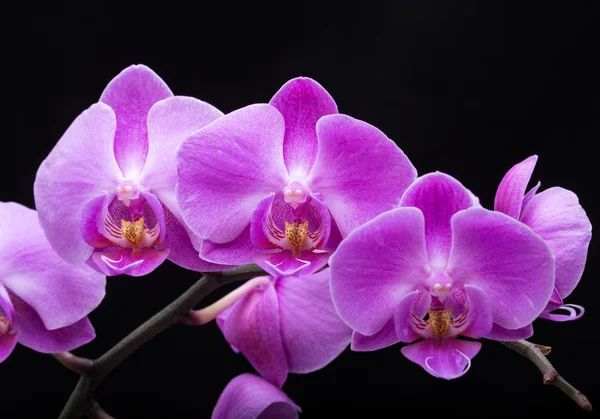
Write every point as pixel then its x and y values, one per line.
pixel 536 354
pixel 93 371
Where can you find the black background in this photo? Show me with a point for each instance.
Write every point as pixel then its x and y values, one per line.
pixel 468 89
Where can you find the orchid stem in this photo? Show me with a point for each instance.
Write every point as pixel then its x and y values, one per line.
pixel 207 314
pixel 535 353
pixel 82 366
pixel 81 400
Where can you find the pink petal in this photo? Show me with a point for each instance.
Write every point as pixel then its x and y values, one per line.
pixel 248 396
pixel 382 339
pixel 528 197
pixel 439 197
pixel 376 266
pixel 239 251
pixel 259 218
pixel 170 121
pixel 283 263
pixel 7 344
pixel 159 214
pixel 127 262
pixel 358 172
pixel 555 214
pixel 131 94
pixel 480 320
pixel 502 334
pixel 575 312
pixel 511 191
pixel 410 312
pixel 7 340
pixel 301 101
pixel 36 336
pixel 93 216
pixel 448 359
pixel 6 308
pixel 226 168
pixel 253 326
pixel 60 292
pixel 81 166
pixel 313 334
pixel 182 251
pixel 509 262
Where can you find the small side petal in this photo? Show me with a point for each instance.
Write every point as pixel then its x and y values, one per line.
pixel 248 396
pixel 253 327
pixel 528 197
pixel 448 359
pixel 511 191
pixel 480 315
pixel 359 172
pixel 170 121
pixel 438 196
pixel 7 344
pixel 555 214
pixel 60 292
pixel 36 336
pixel 313 334
pixel 239 251
pixel 9 339
pixel 511 264
pixel 81 166
pixel 226 168
pixel 408 315
pixel 376 266
pixel 382 339
pixel 131 94
pixel 301 101
pixel 126 262
pixel 501 334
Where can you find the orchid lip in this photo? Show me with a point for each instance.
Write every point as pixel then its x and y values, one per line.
pixel 5 326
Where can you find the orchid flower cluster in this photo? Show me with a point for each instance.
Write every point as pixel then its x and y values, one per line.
pixel 358 249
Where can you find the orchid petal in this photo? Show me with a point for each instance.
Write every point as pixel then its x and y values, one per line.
pixel 438 196
pixel 528 196
pixel 81 166
pixel 227 168
pixel 409 316
pixel 239 251
pixel 480 321
pixel 501 334
pixel 511 191
pixel 60 292
pixel 131 94
pixel 555 214
pixel 301 101
pixel 312 332
pixel 250 397
pixel 8 338
pixel 376 266
pixel 505 259
pixel 381 339
pixel 170 121
pixel 575 312
pixel 253 327
pixel 448 359
pixel 359 172
pixel 130 262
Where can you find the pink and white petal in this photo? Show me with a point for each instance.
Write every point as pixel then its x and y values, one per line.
pixel 575 312
pixel 376 266
pixel 239 251
pixel 410 314
pixel 227 168
pixel 81 166
pixel 555 214
pixel 301 101
pixel 438 196
pixel 480 320
pixel 60 292
pixel 335 237
pixel 253 326
pixel 283 263
pixel 93 218
pixel 182 251
pixel 501 334
pixel 511 264
pixel 511 191
pixel 448 359
pixel 249 396
pixel 131 94
pixel 126 262
pixel 528 197
pixel 170 121
pixel 358 172
pixel 382 339
pixel 313 334
pixel 159 214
